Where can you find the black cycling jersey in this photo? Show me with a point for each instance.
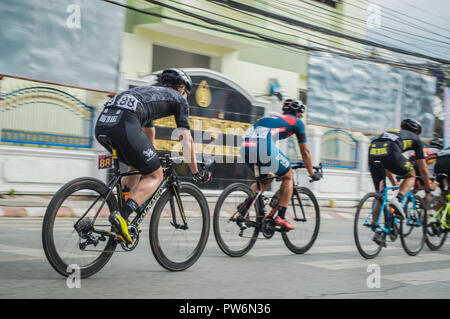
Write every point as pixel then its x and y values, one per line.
pixel 405 139
pixel 126 113
pixel 153 102
pixel 387 149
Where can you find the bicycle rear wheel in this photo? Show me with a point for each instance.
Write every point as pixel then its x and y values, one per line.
pixel 63 244
pixel 435 236
pixel 232 232
pixel 304 214
pixel 412 227
pixel 363 232
pixel 178 248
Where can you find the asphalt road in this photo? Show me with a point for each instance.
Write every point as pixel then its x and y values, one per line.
pixel 331 269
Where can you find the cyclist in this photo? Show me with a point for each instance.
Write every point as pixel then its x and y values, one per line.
pixel 443 167
pixel 430 159
pixel 388 149
pixel 127 119
pixel 259 148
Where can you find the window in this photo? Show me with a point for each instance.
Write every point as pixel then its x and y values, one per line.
pixel 331 3
pixel 164 57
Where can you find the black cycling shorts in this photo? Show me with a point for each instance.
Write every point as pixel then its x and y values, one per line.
pixel 134 147
pixel 390 155
pixel 442 167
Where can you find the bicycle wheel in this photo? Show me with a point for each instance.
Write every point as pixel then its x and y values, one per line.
pixel 435 236
pixel 234 237
pixel 363 231
pixel 177 248
pixel 304 214
pixel 412 227
pixel 62 243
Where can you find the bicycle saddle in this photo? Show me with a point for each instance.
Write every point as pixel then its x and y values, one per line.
pixel 106 140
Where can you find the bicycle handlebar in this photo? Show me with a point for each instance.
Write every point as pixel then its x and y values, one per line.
pixel 301 164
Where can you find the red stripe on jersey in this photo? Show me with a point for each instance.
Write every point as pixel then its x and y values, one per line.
pixel 249 144
pixel 291 120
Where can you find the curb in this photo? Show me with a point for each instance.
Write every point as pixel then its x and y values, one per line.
pixel 11 211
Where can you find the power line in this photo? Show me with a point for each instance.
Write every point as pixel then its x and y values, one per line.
pixel 423 9
pixel 388 29
pixel 259 37
pixel 395 18
pixel 342 21
pixel 288 20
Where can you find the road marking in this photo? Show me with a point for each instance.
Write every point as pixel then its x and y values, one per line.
pixel 21 251
pixel 346 215
pixel 20 259
pixel 38 253
pixel 282 250
pixel 421 277
pixel 339 264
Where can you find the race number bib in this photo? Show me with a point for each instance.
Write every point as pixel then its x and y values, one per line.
pixel 104 161
pixel 125 101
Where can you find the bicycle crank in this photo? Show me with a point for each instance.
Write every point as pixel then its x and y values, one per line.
pixel 268 227
pixel 134 234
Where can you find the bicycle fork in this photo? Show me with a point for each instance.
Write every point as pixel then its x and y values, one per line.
pixel 176 195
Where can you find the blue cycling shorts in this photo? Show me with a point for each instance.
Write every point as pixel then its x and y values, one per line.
pixel 264 153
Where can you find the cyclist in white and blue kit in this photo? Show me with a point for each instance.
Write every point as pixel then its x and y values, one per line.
pixel 259 147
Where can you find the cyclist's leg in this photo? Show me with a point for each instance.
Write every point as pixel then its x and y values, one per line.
pixel 140 154
pixel 401 166
pixel 378 176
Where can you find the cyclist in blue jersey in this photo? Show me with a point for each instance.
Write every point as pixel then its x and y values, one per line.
pixel 259 147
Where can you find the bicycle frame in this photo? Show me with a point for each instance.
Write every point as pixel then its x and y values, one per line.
pixel 168 180
pixel 259 193
pixel 386 230
pixel 443 218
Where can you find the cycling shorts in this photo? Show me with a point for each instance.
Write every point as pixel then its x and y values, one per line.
pixel 390 155
pixel 264 153
pixel 442 167
pixel 124 129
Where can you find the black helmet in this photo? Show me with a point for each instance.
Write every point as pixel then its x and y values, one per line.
pixel 411 125
pixel 293 106
pixel 176 77
pixel 437 143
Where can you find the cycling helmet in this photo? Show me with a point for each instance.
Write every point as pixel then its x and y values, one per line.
pixel 411 125
pixel 293 106
pixel 175 78
pixel 436 143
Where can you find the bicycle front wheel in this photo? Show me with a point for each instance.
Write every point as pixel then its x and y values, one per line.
pixel 304 214
pixel 435 236
pixel 412 227
pixel 70 243
pixel 367 219
pixel 234 234
pixel 178 245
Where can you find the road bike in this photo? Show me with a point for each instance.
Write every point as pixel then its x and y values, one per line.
pixel 375 222
pixel 236 234
pixel 438 223
pixel 76 230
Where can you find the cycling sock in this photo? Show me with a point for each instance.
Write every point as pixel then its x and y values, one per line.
pixel 281 211
pixel 129 207
pixel 400 197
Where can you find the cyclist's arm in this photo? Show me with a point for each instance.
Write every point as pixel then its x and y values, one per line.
pixel 306 156
pixel 150 132
pixel 187 142
pixel 424 173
